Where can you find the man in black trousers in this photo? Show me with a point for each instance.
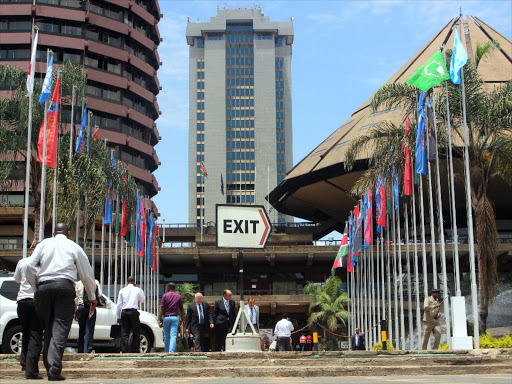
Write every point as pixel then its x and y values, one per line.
pixel 223 319
pixel 358 341
pixel 30 324
pixel 199 322
pixel 53 268
pixel 128 315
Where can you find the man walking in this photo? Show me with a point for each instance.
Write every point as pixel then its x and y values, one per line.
pixel 52 271
pixel 431 316
pixel 283 332
pixel 223 319
pixel 358 341
pixel 199 322
pixel 30 325
pixel 253 313
pixel 86 322
pixel 170 306
pixel 128 315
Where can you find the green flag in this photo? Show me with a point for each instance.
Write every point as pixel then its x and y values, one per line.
pixel 430 74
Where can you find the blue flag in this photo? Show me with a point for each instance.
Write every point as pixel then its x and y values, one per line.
pixel 421 145
pixel 47 83
pixel 109 203
pixel 80 140
pixel 149 240
pixel 459 59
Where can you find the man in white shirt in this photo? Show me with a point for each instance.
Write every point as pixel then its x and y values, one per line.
pixel 128 315
pixel 283 332
pixel 52 270
pixel 30 324
pixel 86 323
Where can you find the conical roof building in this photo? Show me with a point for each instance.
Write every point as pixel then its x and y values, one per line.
pixel 318 187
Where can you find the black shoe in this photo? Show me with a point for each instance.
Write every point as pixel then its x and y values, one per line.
pixel 22 369
pixel 56 378
pixel 34 377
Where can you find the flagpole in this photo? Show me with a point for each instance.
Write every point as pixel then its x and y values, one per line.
pixel 372 272
pixel 469 212
pixel 432 231
pixel 409 286
pixel 202 208
pixel 54 199
pixel 29 146
pixel 400 279
pixel 121 262
pixel 390 313
pixel 395 282
pixel 102 280
pixel 116 246
pixel 72 126
pixel 109 276
pixel 452 190
pixel 377 276
pixel 43 168
pixel 349 307
pixel 416 265
pixel 382 273
pixel 446 297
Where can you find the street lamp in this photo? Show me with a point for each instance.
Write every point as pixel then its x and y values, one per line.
pixel 163 230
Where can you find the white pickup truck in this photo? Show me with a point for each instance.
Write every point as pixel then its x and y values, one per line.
pixel 151 335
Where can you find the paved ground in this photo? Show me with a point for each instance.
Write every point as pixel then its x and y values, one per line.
pixel 469 379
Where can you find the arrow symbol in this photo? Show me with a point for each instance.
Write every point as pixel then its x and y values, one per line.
pixel 267 227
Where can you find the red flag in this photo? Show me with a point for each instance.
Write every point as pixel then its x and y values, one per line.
pixel 95 136
pixel 52 122
pixel 124 227
pixel 142 227
pixel 153 247
pixel 382 218
pixel 407 168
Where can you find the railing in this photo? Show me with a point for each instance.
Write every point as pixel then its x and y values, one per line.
pixel 256 292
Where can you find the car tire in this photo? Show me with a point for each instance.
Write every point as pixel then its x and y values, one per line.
pixel 11 343
pixel 146 341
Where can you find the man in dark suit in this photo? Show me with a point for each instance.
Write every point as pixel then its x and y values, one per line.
pixel 223 319
pixel 199 321
pixel 358 341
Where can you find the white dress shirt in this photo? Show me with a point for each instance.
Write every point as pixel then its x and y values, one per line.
pixel 129 298
pixel 26 291
pixel 79 289
pixel 284 328
pixel 60 258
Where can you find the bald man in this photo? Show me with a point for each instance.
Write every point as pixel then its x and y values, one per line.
pixel 52 270
pixel 199 322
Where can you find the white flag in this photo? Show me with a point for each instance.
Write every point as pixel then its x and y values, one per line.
pixel 32 67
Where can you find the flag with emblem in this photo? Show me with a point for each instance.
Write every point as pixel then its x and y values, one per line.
pixel 202 170
pixel 430 74
pixel 342 252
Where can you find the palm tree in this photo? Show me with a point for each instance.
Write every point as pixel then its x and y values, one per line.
pixel 328 303
pixel 489 118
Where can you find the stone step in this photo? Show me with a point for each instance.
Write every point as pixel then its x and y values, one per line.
pixel 114 372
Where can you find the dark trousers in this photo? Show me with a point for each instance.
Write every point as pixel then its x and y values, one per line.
pixel 130 323
pixel 221 331
pixel 283 344
pixel 55 307
pixel 32 336
pixel 86 328
pixel 249 330
pixel 201 334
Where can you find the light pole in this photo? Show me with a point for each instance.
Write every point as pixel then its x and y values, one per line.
pixel 163 230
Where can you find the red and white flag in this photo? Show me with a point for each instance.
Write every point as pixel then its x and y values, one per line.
pixel 32 66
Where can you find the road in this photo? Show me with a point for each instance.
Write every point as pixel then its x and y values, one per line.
pixel 460 379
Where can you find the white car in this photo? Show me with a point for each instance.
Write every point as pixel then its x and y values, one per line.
pixel 151 335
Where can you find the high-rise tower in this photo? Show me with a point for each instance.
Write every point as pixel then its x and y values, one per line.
pixel 240 110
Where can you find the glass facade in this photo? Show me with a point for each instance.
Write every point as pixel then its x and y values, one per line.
pixel 280 117
pixel 199 135
pixel 240 148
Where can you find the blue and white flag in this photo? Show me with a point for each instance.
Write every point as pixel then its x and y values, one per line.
pixel 395 188
pixel 459 59
pixel 421 145
pixel 109 203
pixel 80 140
pixel 47 83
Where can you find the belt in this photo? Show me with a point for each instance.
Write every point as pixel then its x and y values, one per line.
pixel 53 281
pixel 25 299
pixel 129 309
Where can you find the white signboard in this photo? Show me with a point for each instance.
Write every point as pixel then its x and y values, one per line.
pixel 242 226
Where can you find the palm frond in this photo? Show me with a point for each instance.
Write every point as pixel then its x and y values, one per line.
pixel 394 95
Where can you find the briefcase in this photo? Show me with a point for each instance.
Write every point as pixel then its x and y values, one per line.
pixel 115 331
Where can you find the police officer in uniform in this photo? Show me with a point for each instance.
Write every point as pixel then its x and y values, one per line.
pixel 431 316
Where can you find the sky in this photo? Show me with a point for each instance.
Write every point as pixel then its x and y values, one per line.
pixel 343 51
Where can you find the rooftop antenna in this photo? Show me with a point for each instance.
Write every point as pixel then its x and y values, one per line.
pixel 188 19
pixel 292 18
pixel 218 7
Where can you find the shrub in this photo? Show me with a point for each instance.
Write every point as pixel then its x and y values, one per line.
pixel 488 341
pixel 444 347
pixel 378 347
pixel 505 341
